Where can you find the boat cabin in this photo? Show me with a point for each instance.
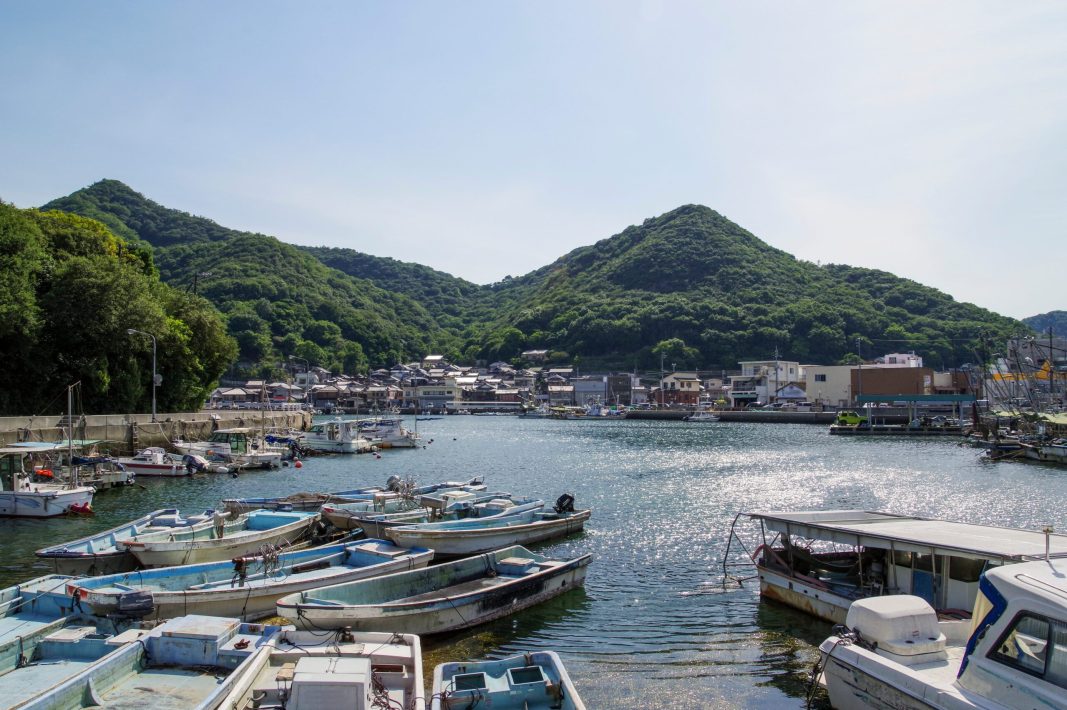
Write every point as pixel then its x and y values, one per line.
pixel 822 561
pixel 235 439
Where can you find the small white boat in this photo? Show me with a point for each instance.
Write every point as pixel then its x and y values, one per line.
pixel 895 653
pixel 388 433
pixel 245 587
pixel 704 416
pixel 22 497
pixel 337 436
pixel 221 539
pixel 447 597
pixel 532 681
pixel 189 663
pixel 239 446
pixel 155 461
pixel 470 537
pixel 100 553
pixel 306 670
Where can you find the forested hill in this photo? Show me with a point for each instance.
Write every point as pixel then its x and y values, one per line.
pixel 278 300
pixel 1057 320
pixel 689 286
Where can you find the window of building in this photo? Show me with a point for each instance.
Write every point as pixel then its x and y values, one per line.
pixel 820 378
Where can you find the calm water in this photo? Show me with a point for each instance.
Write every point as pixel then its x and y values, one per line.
pixel 652 628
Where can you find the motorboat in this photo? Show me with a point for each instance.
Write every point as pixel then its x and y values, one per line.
pixel 74 462
pixel 100 553
pixel 894 651
pixel 245 587
pixel 189 663
pixel 238 446
pixel 28 492
pixel 388 433
pixel 703 416
pixel 155 461
pixel 387 509
pixel 509 527
pixel 337 436
pixel 821 562
pixel 530 681
pixel 222 538
pixel 309 670
pixel 445 597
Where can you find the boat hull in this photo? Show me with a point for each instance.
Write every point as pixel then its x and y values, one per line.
pixel 850 688
pixel 442 614
pixel 153 470
pixel 171 554
pixel 43 505
pixel 807 598
pixel 458 543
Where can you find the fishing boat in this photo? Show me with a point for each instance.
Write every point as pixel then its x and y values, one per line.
pixel 221 539
pixel 239 446
pixel 76 460
pixel 26 492
pixel 337 436
pixel 314 501
pixel 189 663
pixel 306 670
pixel 100 553
pixel 245 587
pixel 388 433
pixel 531 681
pixel 45 661
pixel 1050 451
pixel 32 610
pixel 895 653
pixel 155 461
pixel 445 597
pixel 469 537
pixel 386 510
pixel 821 562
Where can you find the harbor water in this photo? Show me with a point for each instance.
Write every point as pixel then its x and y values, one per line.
pixel 653 627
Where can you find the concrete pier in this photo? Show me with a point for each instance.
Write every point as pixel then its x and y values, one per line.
pixel 126 433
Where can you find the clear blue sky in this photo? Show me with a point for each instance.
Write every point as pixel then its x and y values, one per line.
pixel 489 138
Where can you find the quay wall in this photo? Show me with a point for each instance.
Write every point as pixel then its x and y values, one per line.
pixel 738 416
pixel 125 433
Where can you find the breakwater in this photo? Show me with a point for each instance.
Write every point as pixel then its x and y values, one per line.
pixel 124 433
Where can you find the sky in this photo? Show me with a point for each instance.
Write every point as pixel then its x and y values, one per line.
pixel 486 139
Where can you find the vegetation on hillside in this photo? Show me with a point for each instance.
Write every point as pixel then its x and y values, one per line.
pixel 278 301
pixel 688 288
pixel 69 291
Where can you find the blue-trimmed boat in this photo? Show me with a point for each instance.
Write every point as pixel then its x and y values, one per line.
pixel 189 663
pixel 532 681
pixel 100 554
pixel 446 597
pixel 245 587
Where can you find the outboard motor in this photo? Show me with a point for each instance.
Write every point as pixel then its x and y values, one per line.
pixel 392 483
pixel 193 463
pixel 135 605
pixel 564 504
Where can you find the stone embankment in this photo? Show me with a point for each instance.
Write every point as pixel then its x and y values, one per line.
pixel 125 433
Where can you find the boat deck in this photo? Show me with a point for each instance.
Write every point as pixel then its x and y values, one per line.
pixel 456 590
pixel 163 688
pixel 22 625
pixel 26 682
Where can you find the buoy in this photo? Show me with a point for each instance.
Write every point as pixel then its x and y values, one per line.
pixel 44 473
pixel 377 456
pixel 298 464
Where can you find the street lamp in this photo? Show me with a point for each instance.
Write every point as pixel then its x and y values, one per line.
pixel 307 372
pixel 155 377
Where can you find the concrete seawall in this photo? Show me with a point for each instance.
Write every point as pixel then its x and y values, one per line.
pixel 729 416
pixel 125 433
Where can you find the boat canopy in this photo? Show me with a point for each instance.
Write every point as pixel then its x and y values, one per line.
pixel 905 533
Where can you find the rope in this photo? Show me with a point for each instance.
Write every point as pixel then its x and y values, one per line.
pixel 845 637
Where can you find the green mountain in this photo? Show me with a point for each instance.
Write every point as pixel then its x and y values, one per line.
pixel 689 287
pixel 278 300
pixel 1057 320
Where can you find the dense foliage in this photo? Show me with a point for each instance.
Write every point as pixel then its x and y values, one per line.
pixel 278 300
pixel 689 288
pixel 1057 320
pixel 69 290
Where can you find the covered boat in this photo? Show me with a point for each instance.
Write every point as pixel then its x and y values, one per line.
pixel 307 670
pixel 532 681
pixel 101 554
pixel 189 663
pixel 221 539
pixel 238 446
pixel 822 561
pixel 245 587
pixel 26 492
pixel 509 527
pixel 446 597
